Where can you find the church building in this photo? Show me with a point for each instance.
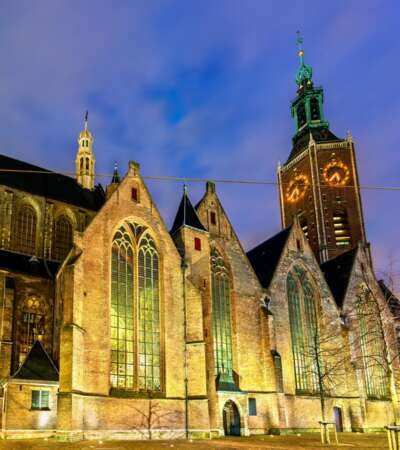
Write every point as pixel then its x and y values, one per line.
pixel 114 326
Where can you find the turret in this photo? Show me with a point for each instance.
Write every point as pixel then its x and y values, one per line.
pixel 85 161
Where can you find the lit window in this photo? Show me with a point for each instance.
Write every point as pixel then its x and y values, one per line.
pixel 135 349
pixel 40 399
pixel 372 347
pixel 197 243
pixel 25 230
pixel 303 328
pixel 62 242
pixel 32 324
pixel 221 315
pixel 252 407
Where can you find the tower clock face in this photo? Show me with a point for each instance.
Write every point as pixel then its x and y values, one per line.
pixel 297 188
pixel 336 173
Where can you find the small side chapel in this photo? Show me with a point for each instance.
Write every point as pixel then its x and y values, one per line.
pixel 114 326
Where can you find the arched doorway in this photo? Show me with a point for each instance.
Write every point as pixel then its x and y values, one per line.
pixel 231 418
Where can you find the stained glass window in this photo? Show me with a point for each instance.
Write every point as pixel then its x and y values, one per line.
pixel 372 347
pixel 135 311
pixel 149 316
pixel 303 329
pixel 221 315
pixel 62 242
pixel 122 302
pixel 25 230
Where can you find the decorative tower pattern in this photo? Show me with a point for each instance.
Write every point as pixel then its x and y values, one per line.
pixel 319 181
pixel 85 158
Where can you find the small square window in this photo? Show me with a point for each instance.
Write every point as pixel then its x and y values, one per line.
pixel 252 407
pixel 135 195
pixel 40 399
pixel 213 218
pixel 197 243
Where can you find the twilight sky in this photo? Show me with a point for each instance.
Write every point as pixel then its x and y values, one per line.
pixel 203 89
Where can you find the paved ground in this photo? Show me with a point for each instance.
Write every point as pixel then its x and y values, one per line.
pixel 307 441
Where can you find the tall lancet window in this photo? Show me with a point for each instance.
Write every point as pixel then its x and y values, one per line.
pixel 62 242
pixel 122 302
pixel 303 329
pixel 221 316
pixel 149 316
pixel 135 311
pixel 373 346
pixel 25 230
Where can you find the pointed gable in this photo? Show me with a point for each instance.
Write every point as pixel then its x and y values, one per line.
pixel 265 257
pixel 186 215
pixel 37 366
pixel 337 272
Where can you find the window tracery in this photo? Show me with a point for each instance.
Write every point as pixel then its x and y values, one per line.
pixel 135 310
pixel 25 230
pixel 221 315
pixel 303 328
pixel 63 236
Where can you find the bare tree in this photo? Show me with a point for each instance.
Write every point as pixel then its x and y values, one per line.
pixel 154 417
pixel 327 364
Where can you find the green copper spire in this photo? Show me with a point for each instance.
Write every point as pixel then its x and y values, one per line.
pixel 304 74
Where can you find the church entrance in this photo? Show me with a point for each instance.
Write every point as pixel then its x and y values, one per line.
pixel 337 412
pixel 231 418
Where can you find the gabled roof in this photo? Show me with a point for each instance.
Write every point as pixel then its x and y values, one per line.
pixel 37 366
pixel 392 301
pixel 45 183
pixel 300 142
pixel 265 257
pixel 337 272
pixel 186 215
pixel 27 264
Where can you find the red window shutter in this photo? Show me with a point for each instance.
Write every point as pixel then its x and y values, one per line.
pixel 197 243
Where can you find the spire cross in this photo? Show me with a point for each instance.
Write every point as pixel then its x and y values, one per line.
pixel 86 119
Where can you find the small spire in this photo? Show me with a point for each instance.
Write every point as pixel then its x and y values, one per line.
pixel 349 136
pixel 304 74
pixel 115 177
pixel 86 119
pixel 311 141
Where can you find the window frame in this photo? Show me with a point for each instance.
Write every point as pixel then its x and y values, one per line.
pixel 46 401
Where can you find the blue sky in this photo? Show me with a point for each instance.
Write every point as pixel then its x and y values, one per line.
pixel 203 89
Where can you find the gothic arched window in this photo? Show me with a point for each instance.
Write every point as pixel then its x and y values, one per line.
pixel 149 316
pixel 25 230
pixel 122 302
pixel 341 228
pixel 135 311
pixel 221 315
pixel 62 241
pixel 303 329
pixel 373 347
pixel 32 324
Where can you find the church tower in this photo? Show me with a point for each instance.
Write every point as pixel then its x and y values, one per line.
pixel 84 162
pixel 319 181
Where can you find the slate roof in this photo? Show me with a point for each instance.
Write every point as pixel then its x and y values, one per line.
pixel 265 257
pixel 337 273
pixel 186 215
pixel 37 366
pixel 392 301
pixel 27 264
pixel 49 184
pixel 300 142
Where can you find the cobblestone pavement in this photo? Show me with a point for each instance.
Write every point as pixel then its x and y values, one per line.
pixel 307 441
